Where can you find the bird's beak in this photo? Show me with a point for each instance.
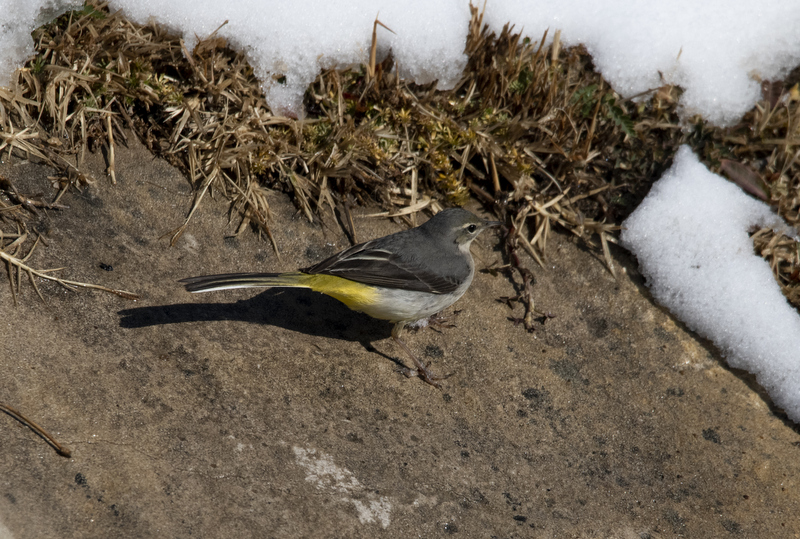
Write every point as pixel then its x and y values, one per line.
pixel 490 224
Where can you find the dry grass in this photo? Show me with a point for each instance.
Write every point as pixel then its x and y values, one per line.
pixel 531 131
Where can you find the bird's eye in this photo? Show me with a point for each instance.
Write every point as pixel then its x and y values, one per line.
pixel 472 228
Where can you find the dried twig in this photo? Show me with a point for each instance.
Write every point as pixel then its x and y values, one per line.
pixel 18 264
pixel 60 449
pixel 374 47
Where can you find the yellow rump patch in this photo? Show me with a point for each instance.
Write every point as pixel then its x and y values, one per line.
pixel 355 295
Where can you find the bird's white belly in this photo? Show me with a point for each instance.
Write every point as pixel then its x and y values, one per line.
pixel 407 305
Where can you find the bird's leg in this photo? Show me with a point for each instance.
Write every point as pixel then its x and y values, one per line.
pixel 422 370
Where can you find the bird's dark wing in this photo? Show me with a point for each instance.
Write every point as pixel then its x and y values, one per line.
pixel 369 263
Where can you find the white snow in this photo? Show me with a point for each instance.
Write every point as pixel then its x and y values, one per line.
pixel 717 50
pixel 19 19
pixel 299 39
pixel 690 235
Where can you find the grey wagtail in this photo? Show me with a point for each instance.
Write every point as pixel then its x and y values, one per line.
pixel 403 277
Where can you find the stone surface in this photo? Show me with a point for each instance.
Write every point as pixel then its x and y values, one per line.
pixel 282 413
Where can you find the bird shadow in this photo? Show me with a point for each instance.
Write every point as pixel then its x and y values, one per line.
pixel 297 310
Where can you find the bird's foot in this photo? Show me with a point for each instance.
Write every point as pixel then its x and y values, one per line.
pixel 440 320
pixel 425 374
pixel 422 370
pixel 436 321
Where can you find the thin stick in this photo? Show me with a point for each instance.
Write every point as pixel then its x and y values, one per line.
pixel 495 177
pixel 414 187
pixel 111 168
pixel 374 47
pixel 350 222
pixel 60 449
pixel 556 48
pixel 63 282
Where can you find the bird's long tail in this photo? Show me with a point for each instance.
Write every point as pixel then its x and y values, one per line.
pixel 227 281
